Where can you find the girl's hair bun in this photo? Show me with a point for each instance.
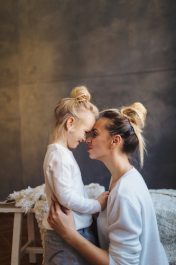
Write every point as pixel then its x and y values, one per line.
pixel 80 93
pixel 136 113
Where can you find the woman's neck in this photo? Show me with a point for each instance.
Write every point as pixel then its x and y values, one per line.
pixel 118 165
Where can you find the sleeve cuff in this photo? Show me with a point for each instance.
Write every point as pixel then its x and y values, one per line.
pixel 97 206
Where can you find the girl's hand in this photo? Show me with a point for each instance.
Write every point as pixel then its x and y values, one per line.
pixel 61 220
pixel 103 198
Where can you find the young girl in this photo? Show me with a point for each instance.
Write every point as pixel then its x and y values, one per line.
pixel 127 228
pixel 74 117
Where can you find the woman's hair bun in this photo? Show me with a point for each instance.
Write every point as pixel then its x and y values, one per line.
pixel 136 113
pixel 80 93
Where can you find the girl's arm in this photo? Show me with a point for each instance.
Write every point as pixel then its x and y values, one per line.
pixel 63 187
pixel 61 220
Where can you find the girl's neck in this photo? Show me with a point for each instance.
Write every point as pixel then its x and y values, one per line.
pixel 61 142
pixel 58 140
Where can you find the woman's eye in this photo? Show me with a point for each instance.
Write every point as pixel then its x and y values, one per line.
pixel 94 134
pixel 91 134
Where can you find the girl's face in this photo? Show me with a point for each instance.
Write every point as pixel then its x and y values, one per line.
pixel 77 131
pixel 99 142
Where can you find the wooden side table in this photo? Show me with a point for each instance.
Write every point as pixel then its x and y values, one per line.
pixel 17 250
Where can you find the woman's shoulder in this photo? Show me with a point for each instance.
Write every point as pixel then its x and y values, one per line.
pixel 131 186
pixel 132 180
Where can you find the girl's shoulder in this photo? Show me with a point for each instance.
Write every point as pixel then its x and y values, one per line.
pixel 59 153
pixel 58 148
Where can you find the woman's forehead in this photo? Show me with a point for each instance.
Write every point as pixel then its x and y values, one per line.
pixel 101 123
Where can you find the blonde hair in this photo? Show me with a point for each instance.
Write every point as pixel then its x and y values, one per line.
pixel 128 121
pixel 136 114
pixel 79 101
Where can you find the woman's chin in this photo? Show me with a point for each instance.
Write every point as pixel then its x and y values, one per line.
pixel 91 155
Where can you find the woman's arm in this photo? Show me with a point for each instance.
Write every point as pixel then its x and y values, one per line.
pixel 93 254
pixel 61 220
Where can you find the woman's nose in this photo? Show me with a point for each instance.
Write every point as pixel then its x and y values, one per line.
pixel 88 139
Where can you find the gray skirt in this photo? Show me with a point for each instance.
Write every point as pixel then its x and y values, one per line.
pixel 58 252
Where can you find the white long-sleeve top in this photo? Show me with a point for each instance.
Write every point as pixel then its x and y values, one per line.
pixel 63 179
pixel 128 227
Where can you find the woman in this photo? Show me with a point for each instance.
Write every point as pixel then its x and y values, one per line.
pixel 127 228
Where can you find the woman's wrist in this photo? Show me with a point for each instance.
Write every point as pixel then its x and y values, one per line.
pixel 70 235
pixel 88 250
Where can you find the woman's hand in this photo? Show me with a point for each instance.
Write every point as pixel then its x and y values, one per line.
pixel 103 198
pixel 61 220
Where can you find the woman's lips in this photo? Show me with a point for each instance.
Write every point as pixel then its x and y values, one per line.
pixel 89 148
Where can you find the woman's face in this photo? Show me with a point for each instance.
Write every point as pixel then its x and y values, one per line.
pixel 99 141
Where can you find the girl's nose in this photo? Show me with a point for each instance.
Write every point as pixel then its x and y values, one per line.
pixel 84 139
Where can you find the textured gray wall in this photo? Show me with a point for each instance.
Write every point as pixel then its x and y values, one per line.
pixel 124 51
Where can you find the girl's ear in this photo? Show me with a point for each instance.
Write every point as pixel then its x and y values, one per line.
pixel 69 123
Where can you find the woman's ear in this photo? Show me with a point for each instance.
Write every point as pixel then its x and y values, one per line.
pixel 69 123
pixel 116 139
